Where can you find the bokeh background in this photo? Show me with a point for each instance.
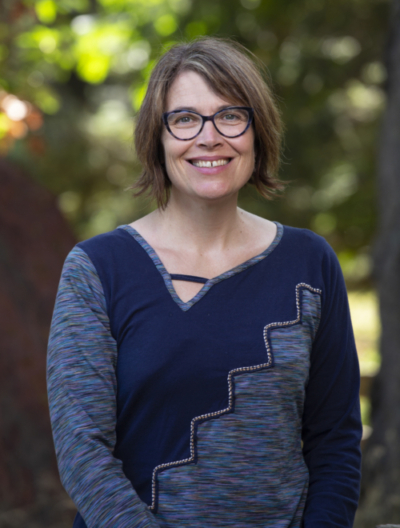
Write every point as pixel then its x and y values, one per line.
pixel 73 74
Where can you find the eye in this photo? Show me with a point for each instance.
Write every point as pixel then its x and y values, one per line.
pixel 230 117
pixel 233 116
pixel 183 119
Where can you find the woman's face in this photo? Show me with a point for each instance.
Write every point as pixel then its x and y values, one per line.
pixel 183 159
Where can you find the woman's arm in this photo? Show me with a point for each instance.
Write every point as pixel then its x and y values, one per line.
pixel 331 421
pixel 82 359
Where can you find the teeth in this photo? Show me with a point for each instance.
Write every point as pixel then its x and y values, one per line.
pixel 216 163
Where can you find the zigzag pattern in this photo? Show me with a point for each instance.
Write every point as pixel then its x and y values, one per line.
pixel 230 408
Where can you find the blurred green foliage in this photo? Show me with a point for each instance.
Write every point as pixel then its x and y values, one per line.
pixel 74 72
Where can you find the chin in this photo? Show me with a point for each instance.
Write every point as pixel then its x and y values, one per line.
pixel 214 192
pixel 215 197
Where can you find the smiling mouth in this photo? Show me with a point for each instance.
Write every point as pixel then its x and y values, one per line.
pixel 209 164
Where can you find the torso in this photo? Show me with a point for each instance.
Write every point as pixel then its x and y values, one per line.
pixel 255 325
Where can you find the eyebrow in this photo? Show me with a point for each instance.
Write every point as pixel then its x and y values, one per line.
pixel 193 109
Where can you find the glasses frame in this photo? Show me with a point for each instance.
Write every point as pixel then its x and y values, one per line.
pixel 209 118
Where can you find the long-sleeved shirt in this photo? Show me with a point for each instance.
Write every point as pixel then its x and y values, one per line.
pixel 238 408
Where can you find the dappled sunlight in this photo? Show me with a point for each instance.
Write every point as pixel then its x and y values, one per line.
pixel 113 119
pixel 104 58
pixel 366 326
pixel 341 49
pixel 335 186
pixel 365 319
pixel 360 101
pixel 17 118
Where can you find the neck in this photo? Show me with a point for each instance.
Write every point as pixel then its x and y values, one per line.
pixel 204 225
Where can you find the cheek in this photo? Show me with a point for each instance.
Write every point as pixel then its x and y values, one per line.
pixel 250 160
pixel 173 155
pixel 250 155
pixel 168 153
pixel 249 146
pixel 164 145
pixel 174 150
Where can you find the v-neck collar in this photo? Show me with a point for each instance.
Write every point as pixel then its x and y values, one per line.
pixel 210 282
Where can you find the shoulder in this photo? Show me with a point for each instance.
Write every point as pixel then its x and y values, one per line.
pixel 92 267
pixel 79 275
pixel 307 246
pixel 83 256
pixel 309 257
pixel 91 260
pixel 305 240
pixel 105 243
pixel 109 250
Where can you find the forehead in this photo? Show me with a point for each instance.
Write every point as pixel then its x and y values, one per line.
pixel 190 89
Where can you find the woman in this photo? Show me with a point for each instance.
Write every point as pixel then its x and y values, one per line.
pixel 202 368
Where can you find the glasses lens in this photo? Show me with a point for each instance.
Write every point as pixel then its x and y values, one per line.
pixel 184 125
pixel 232 121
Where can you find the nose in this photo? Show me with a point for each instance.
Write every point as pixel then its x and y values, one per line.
pixel 209 137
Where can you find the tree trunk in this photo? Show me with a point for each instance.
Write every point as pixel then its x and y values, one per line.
pixel 380 499
pixel 34 241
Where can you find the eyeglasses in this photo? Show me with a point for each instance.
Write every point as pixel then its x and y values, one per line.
pixel 230 122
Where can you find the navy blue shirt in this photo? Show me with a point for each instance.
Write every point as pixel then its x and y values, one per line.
pixel 238 408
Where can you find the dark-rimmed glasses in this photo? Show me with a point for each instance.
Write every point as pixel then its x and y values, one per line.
pixel 230 122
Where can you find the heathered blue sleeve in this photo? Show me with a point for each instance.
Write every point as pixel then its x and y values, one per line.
pixel 331 422
pixel 82 358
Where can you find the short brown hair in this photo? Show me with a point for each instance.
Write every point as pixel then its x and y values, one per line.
pixel 226 67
